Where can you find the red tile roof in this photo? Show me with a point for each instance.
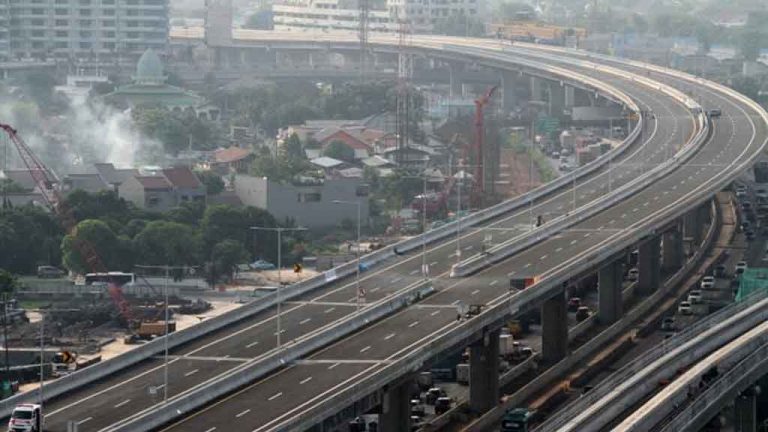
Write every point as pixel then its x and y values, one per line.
pixel 347 138
pixel 182 177
pixel 153 182
pixel 231 154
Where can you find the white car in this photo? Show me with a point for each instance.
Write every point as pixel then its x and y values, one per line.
pixel 741 193
pixel 684 308
pixel 708 282
pixel 694 297
pixel 633 274
pixel 740 267
pixel 26 418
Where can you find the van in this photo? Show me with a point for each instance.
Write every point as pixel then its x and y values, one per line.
pixel 45 271
pixel 633 274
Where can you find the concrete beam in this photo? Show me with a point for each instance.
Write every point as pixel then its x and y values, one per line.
pixel 672 257
pixel 649 266
pixel 610 306
pixel 395 408
pixel 554 329
pixel 484 373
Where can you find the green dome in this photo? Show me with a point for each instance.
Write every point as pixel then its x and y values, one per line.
pixel 149 70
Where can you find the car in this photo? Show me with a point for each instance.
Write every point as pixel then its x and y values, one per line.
pixel 27 418
pixel 715 113
pixel 694 297
pixel 746 225
pixel 741 193
pixel 740 267
pixel 582 313
pixel 746 205
pixel 573 304
pixel 668 324
pixel 261 265
pixel 633 274
pixel 49 272
pixel 442 405
pixel 749 234
pixel 708 282
pixel 719 270
pixel 684 308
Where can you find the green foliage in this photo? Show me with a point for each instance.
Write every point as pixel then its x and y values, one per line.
pixel 29 237
pixel 226 255
pixel 339 150
pixel 115 252
pixel 10 186
pixel 100 205
pixel 176 131
pixel 460 25
pixel 222 222
pixel 213 182
pixel 280 168
pixel 172 243
pixel 8 282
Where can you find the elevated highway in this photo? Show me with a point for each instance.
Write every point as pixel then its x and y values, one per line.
pixel 312 389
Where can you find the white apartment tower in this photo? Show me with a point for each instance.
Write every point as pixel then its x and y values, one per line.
pixel 81 28
pixel 422 15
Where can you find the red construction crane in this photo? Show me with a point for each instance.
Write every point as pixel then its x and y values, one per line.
pixel 46 181
pixel 480 104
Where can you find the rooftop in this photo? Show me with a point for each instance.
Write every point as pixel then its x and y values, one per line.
pixel 182 177
pixel 326 162
pixel 153 182
pixel 231 154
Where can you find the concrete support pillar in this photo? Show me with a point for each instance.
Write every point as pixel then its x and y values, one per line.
pixel 537 89
pixel 672 249
pixel 694 226
pixel 508 90
pixel 554 329
pixel 454 76
pixel 243 57
pixel 484 373
pixel 745 412
pixel 556 99
pixel 610 306
pixel 396 409
pixel 570 96
pixel 649 266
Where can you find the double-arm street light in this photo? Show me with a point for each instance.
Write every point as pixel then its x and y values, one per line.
pixel 360 293
pixel 279 231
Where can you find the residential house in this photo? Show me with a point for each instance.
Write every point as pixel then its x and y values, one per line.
pixel 87 182
pixel 21 177
pixel 153 193
pixel 185 183
pixel 114 177
pixel 313 204
pixel 361 149
pixel 231 159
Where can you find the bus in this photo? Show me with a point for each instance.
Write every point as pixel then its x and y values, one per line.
pixel 117 278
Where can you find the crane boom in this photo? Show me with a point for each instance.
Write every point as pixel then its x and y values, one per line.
pixel 46 181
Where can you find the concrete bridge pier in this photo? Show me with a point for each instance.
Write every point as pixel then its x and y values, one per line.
pixel 454 77
pixel 672 257
pixel 396 407
pixel 508 90
pixel 537 89
pixel 693 226
pixel 556 99
pixel 554 328
pixel 610 305
pixel 745 411
pixel 570 96
pixel 649 266
pixel 484 372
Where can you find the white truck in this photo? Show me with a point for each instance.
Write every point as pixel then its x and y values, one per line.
pixel 26 418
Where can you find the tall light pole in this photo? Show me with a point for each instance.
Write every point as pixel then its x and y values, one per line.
pixel 166 269
pixel 360 293
pixel 279 231
pixel 424 269
pixel 461 174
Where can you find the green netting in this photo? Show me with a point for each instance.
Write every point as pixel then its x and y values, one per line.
pixel 752 280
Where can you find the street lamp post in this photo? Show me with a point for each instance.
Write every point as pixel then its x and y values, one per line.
pixel 166 269
pixel 360 294
pixel 279 231
pixel 424 269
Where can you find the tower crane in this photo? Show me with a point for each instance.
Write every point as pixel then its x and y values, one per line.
pixel 46 181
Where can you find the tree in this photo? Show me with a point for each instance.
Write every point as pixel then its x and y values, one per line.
pixel 10 186
pixel 171 243
pixel 114 252
pixel 339 150
pixel 226 255
pixel 8 282
pixel 460 25
pixel 213 182
pixel 29 236
pixel 222 222
pixel 292 147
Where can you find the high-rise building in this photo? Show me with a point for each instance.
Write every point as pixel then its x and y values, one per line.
pixel 422 15
pixel 327 15
pixel 82 28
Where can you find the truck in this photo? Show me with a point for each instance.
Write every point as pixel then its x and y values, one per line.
pixel 520 283
pixel 64 362
pixel 515 420
pixel 148 330
pixel 462 373
pixel 26 418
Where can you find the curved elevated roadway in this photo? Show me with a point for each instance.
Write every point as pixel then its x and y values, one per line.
pixel 96 406
pixel 304 393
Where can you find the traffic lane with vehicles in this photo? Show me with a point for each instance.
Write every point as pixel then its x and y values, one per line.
pixel 442 255
pixel 731 137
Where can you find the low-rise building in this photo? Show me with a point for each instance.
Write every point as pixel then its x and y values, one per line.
pixel 231 159
pixel 153 193
pixel 313 204
pixel 185 183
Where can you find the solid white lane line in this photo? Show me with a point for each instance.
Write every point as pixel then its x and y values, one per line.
pixel 277 395
pixel 413 324
pixel 125 402
pixel 192 372
pixel 305 380
pixel 243 413
pixel 365 349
